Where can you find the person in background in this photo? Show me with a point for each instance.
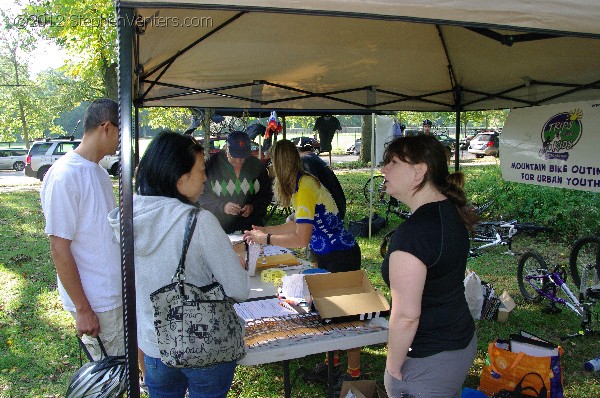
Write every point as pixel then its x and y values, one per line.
pixel 427 126
pixel 238 188
pixel 169 181
pixel 313 164
pixel 425 268
pixel 317 224
pixel 76 196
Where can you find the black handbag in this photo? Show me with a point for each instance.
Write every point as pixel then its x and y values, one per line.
pixel 360 228
pixel 195 326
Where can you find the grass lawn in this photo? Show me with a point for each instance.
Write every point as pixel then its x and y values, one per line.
pixel 38 350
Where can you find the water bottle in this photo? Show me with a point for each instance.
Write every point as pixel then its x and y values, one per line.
pixel 592 365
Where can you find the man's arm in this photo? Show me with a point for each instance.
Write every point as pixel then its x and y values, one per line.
pixel 86 320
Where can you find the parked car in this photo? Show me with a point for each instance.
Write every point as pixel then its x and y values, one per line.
pixel 354 149
pixel 464 142
pixel 111 163
pixel 307 141
pixel 485 144
pixel 448 142
pixel 43 154
pixel 12 159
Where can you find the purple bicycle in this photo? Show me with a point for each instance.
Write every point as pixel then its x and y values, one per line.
pixel 537 282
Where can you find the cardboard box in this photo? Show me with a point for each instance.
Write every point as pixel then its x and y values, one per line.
pixel 345 296
pixel 507 304
pixel 362 389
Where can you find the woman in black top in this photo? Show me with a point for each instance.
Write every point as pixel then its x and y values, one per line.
pixel 432 342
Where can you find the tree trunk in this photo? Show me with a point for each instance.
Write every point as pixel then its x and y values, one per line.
pixel 110 81
pixel 365 146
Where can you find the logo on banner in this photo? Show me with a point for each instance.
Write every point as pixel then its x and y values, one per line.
pixel 560 134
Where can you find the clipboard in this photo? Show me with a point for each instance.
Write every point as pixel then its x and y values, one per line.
pixel 533 346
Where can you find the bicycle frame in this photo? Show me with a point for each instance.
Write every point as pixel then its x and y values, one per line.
pixel 550 284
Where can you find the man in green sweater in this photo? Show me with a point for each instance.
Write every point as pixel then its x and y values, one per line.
pixel 238 189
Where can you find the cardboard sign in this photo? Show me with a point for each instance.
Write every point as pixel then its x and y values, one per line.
pixel 553 145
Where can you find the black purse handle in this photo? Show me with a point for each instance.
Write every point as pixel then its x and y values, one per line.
pixel 519 388
pixel 189 231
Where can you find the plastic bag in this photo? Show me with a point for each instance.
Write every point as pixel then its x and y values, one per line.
pixel 473 293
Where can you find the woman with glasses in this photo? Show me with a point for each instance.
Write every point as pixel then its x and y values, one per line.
pixel 169 181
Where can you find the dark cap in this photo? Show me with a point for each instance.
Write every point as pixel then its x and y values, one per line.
pixel 239 145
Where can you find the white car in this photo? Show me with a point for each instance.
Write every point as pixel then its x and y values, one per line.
pixel 43 154
pixel 111 163
pixel 12 159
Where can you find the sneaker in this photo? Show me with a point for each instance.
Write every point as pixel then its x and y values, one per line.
pixel 143 387
pixel 340 381
pixel 319 373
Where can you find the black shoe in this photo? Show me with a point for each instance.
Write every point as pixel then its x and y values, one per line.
pixel 319 373
pixel 340 381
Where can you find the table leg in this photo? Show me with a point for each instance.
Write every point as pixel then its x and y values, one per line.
pixel 287 386
pixel 330 374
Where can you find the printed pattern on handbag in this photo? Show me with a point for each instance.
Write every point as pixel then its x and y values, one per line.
pixel 195 326
pixel 198 328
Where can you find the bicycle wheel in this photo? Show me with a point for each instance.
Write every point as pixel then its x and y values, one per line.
pixel 585 256
pixel 379 196
pixel 385 241
pixel 531 228
pixel 531 264
pixel 484 232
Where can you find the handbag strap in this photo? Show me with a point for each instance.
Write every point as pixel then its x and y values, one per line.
pixel 493 346
pixel 83 347
pixel 189 231
pixel 519 388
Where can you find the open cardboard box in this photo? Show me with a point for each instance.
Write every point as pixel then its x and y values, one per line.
pixel 507 304
pixel 345 296
pixel 362 389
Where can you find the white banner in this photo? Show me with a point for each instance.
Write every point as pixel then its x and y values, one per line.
pixel 553 145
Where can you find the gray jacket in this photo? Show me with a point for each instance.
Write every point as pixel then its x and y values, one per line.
pixel 159 225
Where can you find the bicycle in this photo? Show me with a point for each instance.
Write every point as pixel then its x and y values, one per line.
pixel 536 282
pixel 495 233
pixel 584 264
pixel 381 199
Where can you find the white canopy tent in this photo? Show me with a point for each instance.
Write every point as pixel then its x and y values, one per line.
pixel 345 56
pixel 373 55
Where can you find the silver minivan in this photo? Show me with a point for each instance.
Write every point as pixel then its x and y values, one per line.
pixel 12 159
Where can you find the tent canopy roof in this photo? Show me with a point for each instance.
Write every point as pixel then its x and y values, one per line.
pixel 372 56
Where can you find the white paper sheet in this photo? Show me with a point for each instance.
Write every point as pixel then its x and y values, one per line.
pixel 266 308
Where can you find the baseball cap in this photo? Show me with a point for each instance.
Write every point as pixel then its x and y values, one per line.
pixel 239 145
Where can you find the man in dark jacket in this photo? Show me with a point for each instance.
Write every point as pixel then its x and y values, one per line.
pixel 237 190
pixel 316 166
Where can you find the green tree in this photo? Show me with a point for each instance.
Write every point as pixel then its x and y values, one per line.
pixel 14 78
pixel 87 30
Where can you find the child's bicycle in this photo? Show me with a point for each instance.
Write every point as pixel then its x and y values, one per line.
pixel 536 282
pixel 584 264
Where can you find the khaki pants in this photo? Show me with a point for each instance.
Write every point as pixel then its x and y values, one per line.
pixel 111 334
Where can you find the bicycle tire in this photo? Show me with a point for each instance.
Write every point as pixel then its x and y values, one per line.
pixel 380 198
pixel 585 254
pixel 531 228
pixel 531 263
pixel 385 241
